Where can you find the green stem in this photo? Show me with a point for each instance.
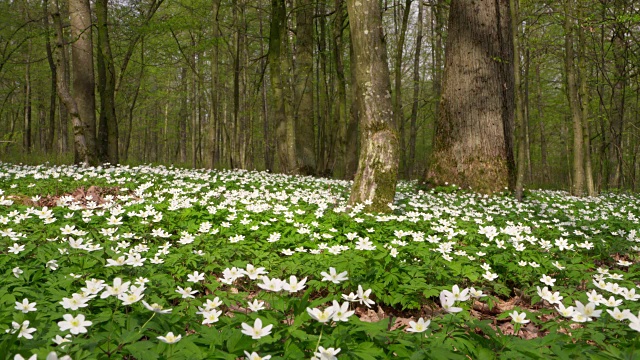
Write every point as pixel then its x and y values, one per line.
pixel 319 338
pixel 145 324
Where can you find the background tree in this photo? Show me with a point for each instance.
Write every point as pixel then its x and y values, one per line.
pixel 375 180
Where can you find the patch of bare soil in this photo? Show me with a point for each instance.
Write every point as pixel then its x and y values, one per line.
pixel 96 194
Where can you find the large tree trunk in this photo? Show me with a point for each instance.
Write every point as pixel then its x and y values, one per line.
pixel 108 130
pixel 84 154
pixel 375 181
pixel 577 187
pixel 472 144
pixel 83 78
pixel 304 133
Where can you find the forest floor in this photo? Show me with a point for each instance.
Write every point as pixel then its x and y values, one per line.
pixel 167 263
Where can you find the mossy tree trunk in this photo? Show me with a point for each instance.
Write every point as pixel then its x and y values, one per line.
pixel 472 143
pixel 375 180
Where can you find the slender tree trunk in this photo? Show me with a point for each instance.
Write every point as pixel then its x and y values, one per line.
pixel 543 139
pixel 527 115
pixel 83 78
pixel 51 131
pixel 304 132
pixel 215 83
pixel 132 106
pixel 584 110
pixel 521 163
pixel 266 128
pixel 438 66
pixel 284 120
pixel 85 155
pixel 108 131
pixel 375 181
pixel 472 146
pixel 341 96
pixel 619 49
pixel 398 112
pixel 184 114
pixel 26 129
pixel 577 188
pixel 413 129
pixel 193 111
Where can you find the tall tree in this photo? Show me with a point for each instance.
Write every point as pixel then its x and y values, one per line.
pixel 398 113
pixel 519 111
pixel 108 130
pixel 52 68
pixel 304 132
pixel 278 64
pixel 375 180
pixel 619 50
pixel 83 75
pixel 84 153
pixel 577 186
pixel 27 125
pixel 341 96
pixel 472 144
pixel 413 128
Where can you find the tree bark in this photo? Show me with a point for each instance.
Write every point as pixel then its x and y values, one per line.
pixel 584 109
pixel 26 129
pixel 108 130
pixel 413 129
pixel 182 122
pixel 284 120
pixel 375 181
pixel 577 188
pixel 340 170
pixel 616 125
pixel 304 132
pixel 472 147
pixel 353 140
pixel 521 163
pixel 83 77
pixel 84 154
pixel 543 139
pixel 51 131
pixel 398 113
